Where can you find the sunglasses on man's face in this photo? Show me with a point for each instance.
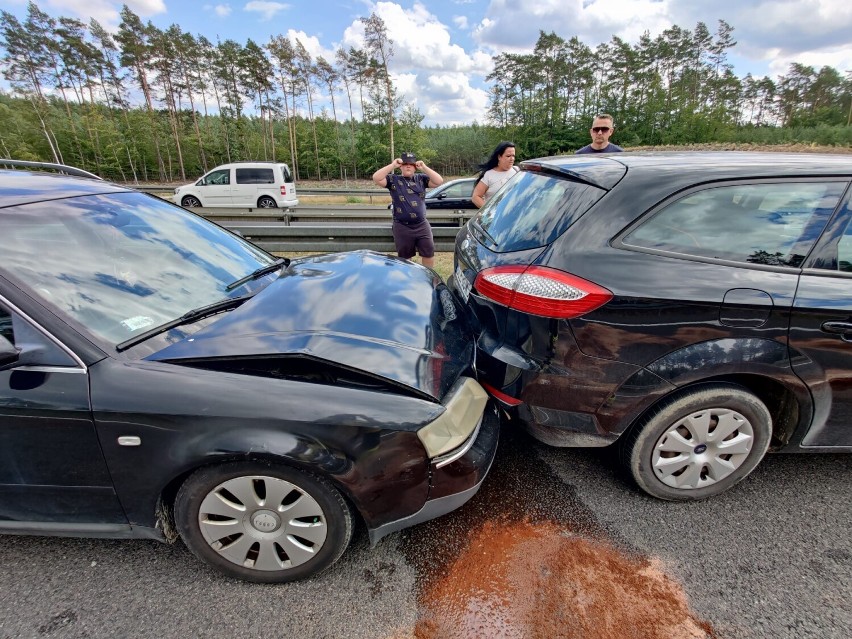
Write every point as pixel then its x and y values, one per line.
pixel 600 129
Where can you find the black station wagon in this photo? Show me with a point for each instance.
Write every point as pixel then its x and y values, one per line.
pixel 161 376
pixel 693 309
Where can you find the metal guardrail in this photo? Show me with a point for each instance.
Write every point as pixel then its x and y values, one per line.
pixel 165 188
pixel 314 214
pixel 167 192
pixel 296 239
pixel 344 192
pixel 325 228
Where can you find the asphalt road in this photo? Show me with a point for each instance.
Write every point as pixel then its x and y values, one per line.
pixel 772 558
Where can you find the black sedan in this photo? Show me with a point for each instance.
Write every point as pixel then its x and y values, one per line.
pixel 161 377
pixel 454 195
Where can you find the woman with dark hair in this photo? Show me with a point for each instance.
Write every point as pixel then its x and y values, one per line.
pixel 495 172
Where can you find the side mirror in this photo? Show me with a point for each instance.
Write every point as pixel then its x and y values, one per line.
pixel 8 352
pixel 442 196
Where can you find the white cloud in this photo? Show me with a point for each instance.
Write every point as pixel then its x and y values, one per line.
pixel 222 10
pixel 444 99
pixel 267 10
pixel 839 58
pixel 312 45
pixel 460 22
pixel 428 69
pixel 776 33
pixel 144 7
pixel 773 33
pixel 420 40
pixel 512 26
pixel 104 11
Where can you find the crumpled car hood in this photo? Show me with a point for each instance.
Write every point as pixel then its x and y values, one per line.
pixel 361 310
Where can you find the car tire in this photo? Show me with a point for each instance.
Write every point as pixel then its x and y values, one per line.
pixel 261 522
pixel 190 202
pixel 698 443
pixel 266 202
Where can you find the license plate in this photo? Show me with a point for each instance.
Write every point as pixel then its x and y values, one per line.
pixel 462 284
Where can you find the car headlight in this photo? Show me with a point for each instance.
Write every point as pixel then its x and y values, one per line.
pixel 465 405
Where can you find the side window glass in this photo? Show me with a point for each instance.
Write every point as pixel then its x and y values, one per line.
pixel 6 325
pixel 218 177
pixel 458 190
pixel 255 176
pixel 36 348
pixel 844 251
pixel 776 224
pixel 285 172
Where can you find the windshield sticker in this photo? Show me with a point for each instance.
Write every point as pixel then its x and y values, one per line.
pixel 135 323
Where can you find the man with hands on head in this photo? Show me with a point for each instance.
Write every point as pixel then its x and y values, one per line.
pixel 412 232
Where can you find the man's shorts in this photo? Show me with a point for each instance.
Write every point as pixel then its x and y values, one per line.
pixel 414 237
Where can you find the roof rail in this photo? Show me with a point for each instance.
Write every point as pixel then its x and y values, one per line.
pixel 59 168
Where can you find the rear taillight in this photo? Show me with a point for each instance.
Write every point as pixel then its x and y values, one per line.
pixel 283 189
pixel 541 291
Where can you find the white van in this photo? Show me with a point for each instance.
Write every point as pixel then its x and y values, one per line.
pixel 263 185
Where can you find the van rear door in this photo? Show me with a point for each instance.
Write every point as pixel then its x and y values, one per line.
pixel 287 195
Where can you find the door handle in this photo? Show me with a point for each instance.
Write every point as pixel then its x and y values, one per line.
pixel 840 328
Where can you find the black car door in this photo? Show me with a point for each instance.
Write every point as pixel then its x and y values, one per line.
pixel 821 333
pixel 53 476
pixel 441 200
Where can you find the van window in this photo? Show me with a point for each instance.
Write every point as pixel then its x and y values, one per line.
pixel 255 176
pixel 220 176
pixel 285 172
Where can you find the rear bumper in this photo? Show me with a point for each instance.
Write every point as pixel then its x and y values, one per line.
pixel 455 483
pixel 563 428
pixel 558 406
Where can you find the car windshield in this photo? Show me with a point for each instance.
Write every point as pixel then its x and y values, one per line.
pixel 532 210
pixel 121 264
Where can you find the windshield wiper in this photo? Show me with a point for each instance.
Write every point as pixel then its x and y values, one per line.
pixel 478 227
pixel 187 318
pixel 263 270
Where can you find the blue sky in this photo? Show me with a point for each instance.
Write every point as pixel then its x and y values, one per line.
pixel 443 48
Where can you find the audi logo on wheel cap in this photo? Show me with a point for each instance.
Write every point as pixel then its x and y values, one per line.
pixel 264 521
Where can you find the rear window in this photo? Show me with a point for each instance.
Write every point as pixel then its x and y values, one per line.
pixel 531 211
pixel 285 172
pixel 775 224
pixel 255 176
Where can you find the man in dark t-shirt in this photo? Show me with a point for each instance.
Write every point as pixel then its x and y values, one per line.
pixel 602 127
pixel 411 231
